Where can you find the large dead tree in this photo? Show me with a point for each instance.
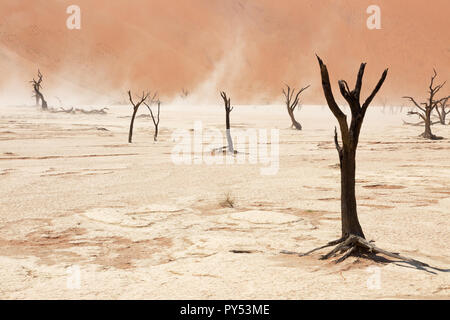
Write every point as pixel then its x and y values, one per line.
pixel 228 109
pixel 425 109
pixel 135 110
pixel 37 86
pixel 291 104
pixel 155 118
pixel 443 110
pixel 352 240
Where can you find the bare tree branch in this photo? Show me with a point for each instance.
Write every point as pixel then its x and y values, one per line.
pixel 340 116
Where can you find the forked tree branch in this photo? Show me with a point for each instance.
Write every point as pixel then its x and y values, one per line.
pixel 375 90
pixel 328 92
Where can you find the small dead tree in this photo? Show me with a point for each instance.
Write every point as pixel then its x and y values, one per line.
pixel 352 241
pixel 443 110
pixel 426 108
pixel 37 94
pixel 184 93
pixel 292 104
pixel 155 119
pixel 228 109
pixel 135 110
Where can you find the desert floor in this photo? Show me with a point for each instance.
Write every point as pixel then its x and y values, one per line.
pixel 84 214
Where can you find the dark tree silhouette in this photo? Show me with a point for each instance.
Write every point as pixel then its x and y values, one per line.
pixel 135 110
pixel 291 104
pixel 228 109
pixel 37 86
pixel 443 110
pixel 350 138
pixel 352 241
pixel 426 108
pixel 155 119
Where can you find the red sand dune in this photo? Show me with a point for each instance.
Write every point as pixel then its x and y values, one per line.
pixel 249 48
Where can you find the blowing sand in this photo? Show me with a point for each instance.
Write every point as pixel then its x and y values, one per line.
pixel 83 214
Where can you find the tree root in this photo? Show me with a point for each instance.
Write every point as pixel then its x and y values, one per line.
pixel 430 137
pixel 296 126
pixel 329 244
pixel 357 246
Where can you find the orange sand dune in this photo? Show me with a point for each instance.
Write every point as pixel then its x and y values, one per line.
pixel 249 48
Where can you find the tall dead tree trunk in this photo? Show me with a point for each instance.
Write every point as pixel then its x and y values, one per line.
pixel 37 86
pixel 155 119
pixel 135 110
pixel 292 104
pixel 228 109
pixel 443 110
pixel 350 138
pixel 426 108
pixel 352 241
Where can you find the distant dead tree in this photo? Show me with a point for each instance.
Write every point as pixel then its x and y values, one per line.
pixel 37 86
pixel 426 108
pixel 228 109
pixel 443 110
pixel 184 93
pixel 135 110
pixel 291 104
pixel 352 241
pixel 155 119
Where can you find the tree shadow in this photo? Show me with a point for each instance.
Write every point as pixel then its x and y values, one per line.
pixel 411 264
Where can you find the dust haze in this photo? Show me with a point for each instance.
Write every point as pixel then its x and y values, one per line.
pixel 249 48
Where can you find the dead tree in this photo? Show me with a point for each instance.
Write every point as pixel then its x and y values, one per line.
pixel 37 86
pixel 135 110
pixel 228 109
pixel 155 119
pixel 184 93
pixel 292 104
pixel 350 137
pixel 352 240
pixel 426 108
pixel 443 110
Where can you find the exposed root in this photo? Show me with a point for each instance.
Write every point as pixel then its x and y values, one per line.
pixel 360 247
pixel 347 254
pixel 343 246
pixel 430 136
pixel 329 244
pixel 295 125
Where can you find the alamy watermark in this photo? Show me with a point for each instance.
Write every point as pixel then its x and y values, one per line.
pixel 74 19
pixel 73 277
pixel 374 280
pixel 374 20
pixel 205 146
